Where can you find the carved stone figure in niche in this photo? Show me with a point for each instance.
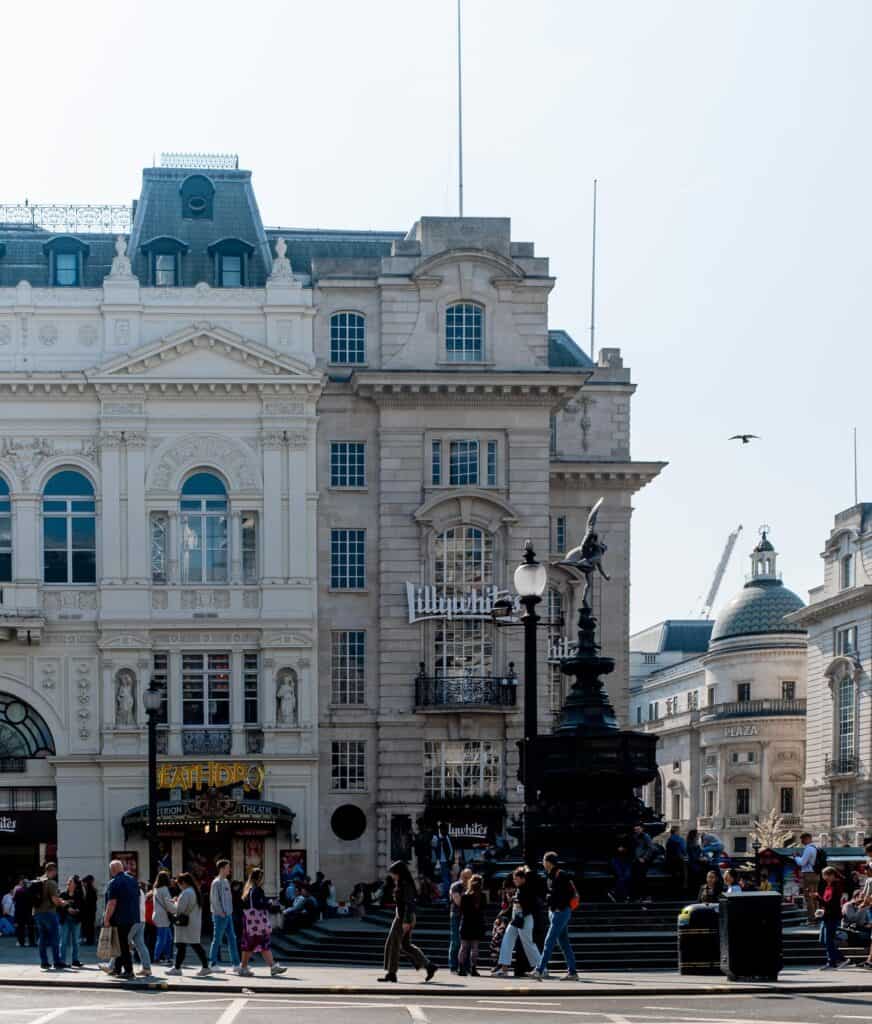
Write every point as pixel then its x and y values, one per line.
pixel 125 697
pixel 286 696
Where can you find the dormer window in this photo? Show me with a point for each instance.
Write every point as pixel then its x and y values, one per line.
pixel 164 255
pixel 165 272
pixel 66 261
pixel 231 256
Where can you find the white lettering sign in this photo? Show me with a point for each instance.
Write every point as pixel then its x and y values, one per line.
pixel 7 824
pixel 474 831
pixel 738 731
pixel 431 603
pixel 560 647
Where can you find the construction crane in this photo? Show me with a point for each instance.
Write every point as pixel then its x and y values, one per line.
pixel 706 609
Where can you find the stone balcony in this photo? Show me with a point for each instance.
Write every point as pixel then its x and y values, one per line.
pixel 448 693
pixel 765 708
pixel 841 766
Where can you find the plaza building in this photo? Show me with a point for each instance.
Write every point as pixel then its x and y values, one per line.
pixel 838 775
pixel 727 699
pixel 281 475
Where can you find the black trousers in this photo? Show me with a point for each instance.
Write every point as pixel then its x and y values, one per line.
pixel 124 961
pixel 182 948
pixel 25 932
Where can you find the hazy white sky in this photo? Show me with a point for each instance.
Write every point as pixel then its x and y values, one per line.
pixel 732 146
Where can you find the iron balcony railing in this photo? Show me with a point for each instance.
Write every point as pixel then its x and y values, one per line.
pixel 753 708
pixel 848 765
pixel 465 691
pixel 211 741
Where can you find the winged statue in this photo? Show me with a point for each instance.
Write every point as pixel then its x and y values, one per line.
pixel 587 557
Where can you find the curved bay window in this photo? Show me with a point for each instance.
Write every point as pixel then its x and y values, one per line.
pixel 463 561
pixel 69 529
pixel 5 533
pixel 203 530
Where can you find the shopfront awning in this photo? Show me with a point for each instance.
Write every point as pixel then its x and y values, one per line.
pixel 199 812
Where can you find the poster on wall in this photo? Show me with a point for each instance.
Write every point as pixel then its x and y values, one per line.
pixel 130 860
pixel 253 855
pixel 293 864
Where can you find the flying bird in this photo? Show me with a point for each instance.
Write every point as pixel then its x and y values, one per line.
pixel 744 438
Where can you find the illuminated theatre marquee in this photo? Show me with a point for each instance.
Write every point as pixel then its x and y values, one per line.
pixel 210 775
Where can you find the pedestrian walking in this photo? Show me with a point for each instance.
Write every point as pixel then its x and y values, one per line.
pixel 455 894
pixel 46 902
pixel 25 929
pixel 188 928
pixel 122 913
pixel 256 927
pixel 70 917
pixel 443 856
pixel 163 908
pixel 829 914
pixel 562 900
pixel 137 936
pixel 472 905
pixel 520 924
pixel 89 912
pixel 810 864
pixel 403 924
pixel 221 905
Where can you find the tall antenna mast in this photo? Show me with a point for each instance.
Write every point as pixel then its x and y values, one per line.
pixel 459 118
pixel 592 274
pixel 856 489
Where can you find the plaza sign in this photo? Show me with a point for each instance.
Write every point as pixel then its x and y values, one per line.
pixel 431 603
pixel 210 775
pixel 738 731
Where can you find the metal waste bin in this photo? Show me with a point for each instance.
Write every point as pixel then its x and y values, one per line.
pixel 699 943
pixel 750 931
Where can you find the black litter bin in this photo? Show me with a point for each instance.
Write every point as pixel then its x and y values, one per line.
pixel 750 925
pixel 699 943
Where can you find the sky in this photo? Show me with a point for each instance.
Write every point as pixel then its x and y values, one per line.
pixel 731 144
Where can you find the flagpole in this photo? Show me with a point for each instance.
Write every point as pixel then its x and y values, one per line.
pixel 459 117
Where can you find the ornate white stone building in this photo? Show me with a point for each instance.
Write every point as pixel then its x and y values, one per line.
pixel 729 707
pixel 251 466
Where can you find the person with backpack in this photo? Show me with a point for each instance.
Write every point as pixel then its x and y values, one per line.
pixel 46 902
pixel 562 900
pixel 811 863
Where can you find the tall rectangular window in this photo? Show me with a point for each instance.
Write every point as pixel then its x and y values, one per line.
pixel 709 802
pixel 348 765
pixel 676 807
pixel 846 572
pixel 5 533
pixel 639 715
pixel 653 711
pixel 348 559
pixel 436 464
pixel 743 801
pixel 552 439
pixel 491 463
pixel 159 680
pixel 787 799
pixel 66 269
pixel 847 710
pixel 845 808
pixel 205 689
pixel 231 271
pixel 560 534
pixel 347 666
pixel 249 547
pixel 159 541
pixel 457 768
pixel 165 270
pixel 788 689
pixel 743 692
pixel 250 676
pixel 463 463
pixel 464 329
pixel 845 640
pixel 347 464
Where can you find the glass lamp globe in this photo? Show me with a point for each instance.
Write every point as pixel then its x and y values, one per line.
pixel 531 578
pixel 151 699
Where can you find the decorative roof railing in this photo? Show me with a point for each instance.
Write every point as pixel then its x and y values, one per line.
pixel 69 218
pixel 201 161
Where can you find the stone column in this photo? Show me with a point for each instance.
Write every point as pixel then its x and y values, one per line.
pixel 235 546
pixel 25 538
pixel 300 541
pixel 110 507
pixel 273 442
pixel 173 542
pixel 237 701
pixel 174 702
pixel 138 540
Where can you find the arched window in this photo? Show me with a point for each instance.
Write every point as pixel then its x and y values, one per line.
pixel 846 718
pixel 203 530
pixel 464 332
pixel 5 533
pixel 23 733
pixel 463 561
pixel 347 338
pixel 69 529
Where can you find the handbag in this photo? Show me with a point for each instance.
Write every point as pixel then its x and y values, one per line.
pixel 255 923
pixel 108 946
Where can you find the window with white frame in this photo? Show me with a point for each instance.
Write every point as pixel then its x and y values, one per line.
pixel 159 681
pixel 560 534
pixel 491 469
pixel 743 692
pixel 158 545
pixel 653 711
pixel 464 332
pixel 692 700
pixel 347 666
pixel 206 688
pixel 250 686
pixel 845 640
pixel 203 530
pixel 638 714
pixel 348 765
pixel 552 435
pixel 348 559
pixel 436 463
pixel 347 338
pixel 69 529
pixel 249 547
pixel 846 572
pixel 846 805
pixel 457 768
pixel 463 561
pixel 5 533
pixel 347 464
pixel 847 716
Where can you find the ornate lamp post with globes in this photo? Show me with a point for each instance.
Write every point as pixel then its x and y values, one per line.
pixel 151 700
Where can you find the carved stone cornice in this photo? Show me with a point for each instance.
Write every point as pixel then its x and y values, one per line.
pixel 624 476
pixel 818 611
pixel 467 387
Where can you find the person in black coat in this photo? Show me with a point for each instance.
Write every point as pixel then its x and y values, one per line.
pixel 472 905
pixel 89 911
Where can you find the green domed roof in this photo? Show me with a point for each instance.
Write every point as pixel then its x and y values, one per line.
pixel 759 607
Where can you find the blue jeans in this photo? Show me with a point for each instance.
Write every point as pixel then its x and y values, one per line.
pixel 163 944
pixel 49 932
pixel 829 926
pixel 446 879
pixel 454 943
pixel 70 937
pixel 137 940
pixel 222 926
pixel 558 934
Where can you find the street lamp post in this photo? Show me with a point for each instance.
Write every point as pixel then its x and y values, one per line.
pixel 756 848
pixel 530 580
pixel 152 701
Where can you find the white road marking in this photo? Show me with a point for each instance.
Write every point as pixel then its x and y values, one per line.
pixel 232 1012
pixel 418 1015
pixel 46 1017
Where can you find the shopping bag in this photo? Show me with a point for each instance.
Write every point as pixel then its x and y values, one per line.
pixel 108 946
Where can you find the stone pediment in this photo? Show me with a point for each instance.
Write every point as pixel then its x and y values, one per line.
pixel 204 352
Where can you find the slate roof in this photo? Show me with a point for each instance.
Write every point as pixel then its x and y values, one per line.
pixel 688 636
pixel 758 608
pixel 319 252
pixel 24 259
pixel 563 352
